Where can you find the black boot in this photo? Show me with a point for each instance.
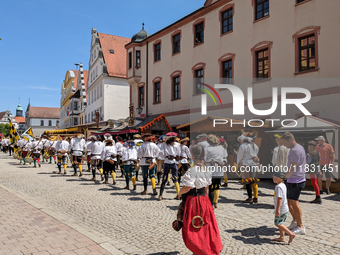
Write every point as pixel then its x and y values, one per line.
pixel 162 189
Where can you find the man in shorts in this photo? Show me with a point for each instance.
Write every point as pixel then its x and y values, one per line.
pixel 327 158
pixel 296 181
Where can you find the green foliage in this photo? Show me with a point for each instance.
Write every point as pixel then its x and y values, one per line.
pixel 4 128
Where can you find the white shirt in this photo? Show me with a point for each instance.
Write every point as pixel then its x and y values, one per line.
pixel 170 150
pixel 130 155
pixel 77 146
pixel 21 143
pixel 185 153
pixel 36 146
pixel 62 146
pixel 215 153
pixel 196 179
pixel 88 150
pixel 51 145
pixel 97 148
pixel 204 144
pixel 276 149
pixel 109 152
pixel 246 153
pixel 148 149
pixel 161 151
pixel 281 191
pixel 282 156
pixel 26 146
pixel 120 148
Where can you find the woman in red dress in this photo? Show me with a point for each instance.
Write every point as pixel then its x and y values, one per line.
pixel 196 216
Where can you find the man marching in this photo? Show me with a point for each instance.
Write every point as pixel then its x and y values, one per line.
pixel 36 147
pixel 77 146
pixel 62 148
pixel 130 160
pixel 148 152
pixel 96 148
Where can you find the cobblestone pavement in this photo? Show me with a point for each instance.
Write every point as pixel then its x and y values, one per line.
pixel 125 222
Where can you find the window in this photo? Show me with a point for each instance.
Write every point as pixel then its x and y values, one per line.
pixel 91 96
pixel 75 121
pixel 176 87
pixel 42 123
pixel 307 59
pixel 137 59
pixel 157 92
pixel 262 64
pixel 141 96
pixel 100 113
pixel 261 9
pixel 157 50
pixel 199 81
pixel 85 119
pixel 199 33
pixel 227 72
pixel 227 21
pixel 130 60
pixel 176 43
pixel 95 94
pixel 75 106
pixel 101 90
pixel 89 120
pixel 299 1
pixel 50 122
pixel 57 122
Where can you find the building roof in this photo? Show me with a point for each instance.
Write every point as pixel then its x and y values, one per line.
pixel 44 112
pixel 140 36
pixel 116 61
pixel 19 108
pixel 2 114
pixel 19 119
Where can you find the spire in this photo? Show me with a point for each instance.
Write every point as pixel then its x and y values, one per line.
pixel 143 25
pixel 29 104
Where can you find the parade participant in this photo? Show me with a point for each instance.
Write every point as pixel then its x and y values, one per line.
pixel 184 156
pixel 21 143
pixel 224 144
pixel 77 146
pixel 281 207
pixel 148 152
pixel 109 158
pixel 327 158
pixel 129 159
pixel 138 141
pixel 313 158
pixel 202 140
pixel 88 154
pixel 36 147
pixel 248 160
pixel 170 151
pixel 96 152
pixel 10 147
pixel 276 149
pixel 296 181
pixel 120 149
pixel 161 158
pixel 62 148
pixel 25 150
pixel 51 147
pixel 44 141
pixel 214 155
pixel 200 230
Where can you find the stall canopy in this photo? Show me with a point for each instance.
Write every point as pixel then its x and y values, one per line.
pixel 61 131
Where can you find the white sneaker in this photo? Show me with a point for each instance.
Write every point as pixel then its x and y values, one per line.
pixel 299 231
pixel 292 225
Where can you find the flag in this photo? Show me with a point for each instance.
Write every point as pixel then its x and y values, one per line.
pixel 28 134
pixel 13 135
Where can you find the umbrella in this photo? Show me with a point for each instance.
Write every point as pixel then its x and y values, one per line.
pixel 171 134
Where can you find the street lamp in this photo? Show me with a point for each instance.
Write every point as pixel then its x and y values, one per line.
pixel 139 110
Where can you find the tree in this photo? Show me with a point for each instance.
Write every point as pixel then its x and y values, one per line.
pixel 4 128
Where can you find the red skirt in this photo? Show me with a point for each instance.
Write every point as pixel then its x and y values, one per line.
pixel 205 240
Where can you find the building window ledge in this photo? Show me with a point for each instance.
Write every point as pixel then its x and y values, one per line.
pixel 157 61
pixel 198 44
pixel 258 20
pixel 227 33
pixel 303 2
pixel 157 102
pixel 176 53
pixel 175 99
pixel 256 80
pixel 307 71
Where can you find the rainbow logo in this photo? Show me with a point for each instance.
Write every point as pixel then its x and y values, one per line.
pixel 209 93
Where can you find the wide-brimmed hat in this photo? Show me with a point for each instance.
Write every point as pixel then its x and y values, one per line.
pixel 277 136
pixel 92 137
pixel 320 138
pixel 137 136
pixel 313 143
pixel 147 135
pixel 212 139
pixel 201 136
pixel 185 139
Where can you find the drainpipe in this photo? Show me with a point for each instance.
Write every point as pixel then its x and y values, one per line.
pixel 147 80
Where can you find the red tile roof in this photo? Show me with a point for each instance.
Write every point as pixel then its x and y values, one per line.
pixel 19 119
pixel 44 112
pixel 116 62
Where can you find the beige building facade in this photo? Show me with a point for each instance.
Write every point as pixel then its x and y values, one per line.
pixel 257 44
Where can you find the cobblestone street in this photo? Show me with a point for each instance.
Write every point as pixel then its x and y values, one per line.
pixel 125 222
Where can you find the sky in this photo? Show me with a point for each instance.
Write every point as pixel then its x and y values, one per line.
pixel 42 39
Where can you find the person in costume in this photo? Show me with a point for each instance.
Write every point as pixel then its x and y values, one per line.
pixel 96 155
pixel 138 141
pixel 25 150
pixel 195 216
pixel 248 160
pixel 51 147
pixel 215 156
pixel 148 152
pixel 161 158
pixel 109 158
pixel 170 151
pixel 77 146
pixel 120 149
pixel 224 144
pixel 36 147
pixel 184 157
pixel 129 159
pixel 62 148
pixel 21 143
pixel 202 140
